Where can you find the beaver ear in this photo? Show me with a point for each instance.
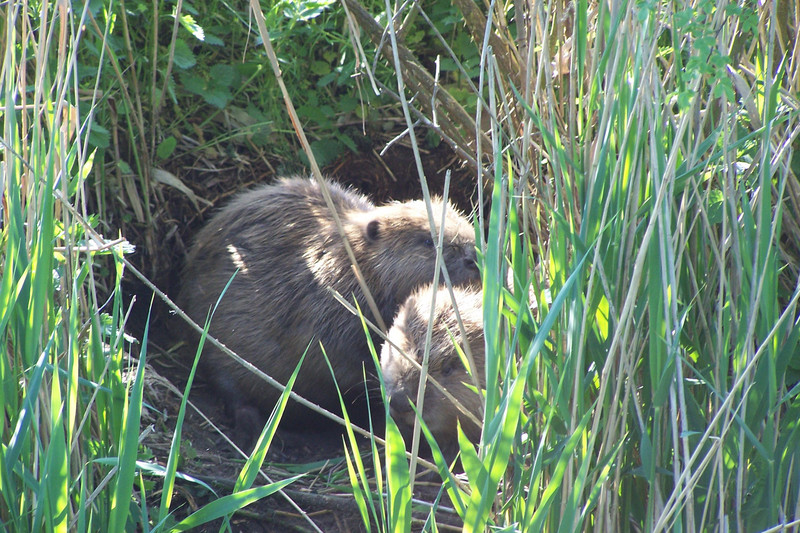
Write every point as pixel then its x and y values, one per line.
pixel 373 229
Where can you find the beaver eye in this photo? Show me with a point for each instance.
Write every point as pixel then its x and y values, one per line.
pixel 448 368
pixel 427 241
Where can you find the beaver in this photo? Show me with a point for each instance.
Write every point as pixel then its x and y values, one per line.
pixel 282 244
pixel 445 365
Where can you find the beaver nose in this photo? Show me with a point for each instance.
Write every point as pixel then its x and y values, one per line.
pixel 399 403
pixel 471 271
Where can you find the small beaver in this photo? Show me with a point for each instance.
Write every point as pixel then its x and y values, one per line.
pixel 283 245
pixel 401 377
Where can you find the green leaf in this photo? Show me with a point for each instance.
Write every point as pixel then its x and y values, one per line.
pixel 325 151
pixel 228 505
pixel 128 445
pixel 183 57
pixel 218 97
pixel 99 136
pixel 192 83
pixel 224 75
pixel 188 22
pixel 166 147
pixel 716 202
pixel 320 68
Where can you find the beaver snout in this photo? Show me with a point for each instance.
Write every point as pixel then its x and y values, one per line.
pixel 471 264
pixel 463 268
pixel 399 403
pixel 400 398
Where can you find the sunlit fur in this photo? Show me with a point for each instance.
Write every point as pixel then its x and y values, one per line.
pixel 283 240
pixel 401 376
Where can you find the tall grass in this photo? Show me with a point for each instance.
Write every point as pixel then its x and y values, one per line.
pixel 71 394
pixel 69 435
pixel 642 358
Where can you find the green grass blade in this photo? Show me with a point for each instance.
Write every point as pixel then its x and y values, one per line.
pixel 397 475
pixel 253 464
pixel 227 505
pixel 129 445
pixel 55 476
pixel 22 431
pixel 554 485
pixel 174 451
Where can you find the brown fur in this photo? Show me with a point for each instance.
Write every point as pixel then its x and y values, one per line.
pixel 401 377
pixel 289 253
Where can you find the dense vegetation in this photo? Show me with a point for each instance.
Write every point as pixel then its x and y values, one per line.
pixel 641 270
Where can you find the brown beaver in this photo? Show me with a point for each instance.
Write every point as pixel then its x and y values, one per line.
pixel 401 376
pixel 289 253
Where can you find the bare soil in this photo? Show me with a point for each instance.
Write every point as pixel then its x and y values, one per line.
pixel 323 496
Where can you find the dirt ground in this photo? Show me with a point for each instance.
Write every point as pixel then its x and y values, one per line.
pixel 323 496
